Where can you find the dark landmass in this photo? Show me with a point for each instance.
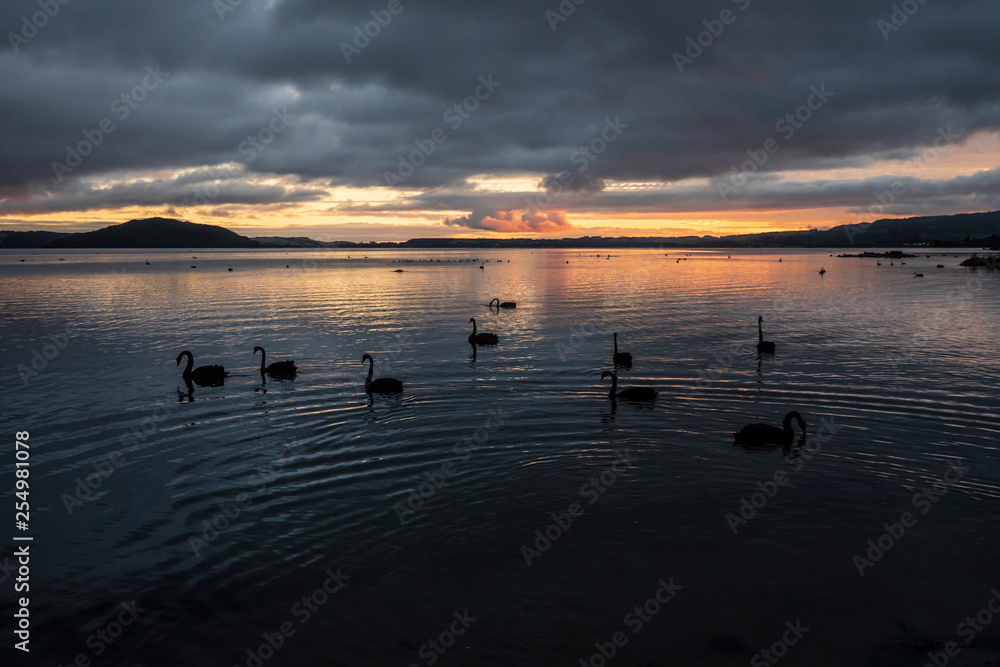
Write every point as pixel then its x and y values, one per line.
pixel 28 239
pixel 155 233
pixel 990 262
pixel 969 230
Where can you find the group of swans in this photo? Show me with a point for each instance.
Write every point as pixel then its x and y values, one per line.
pixel 214 375
pixel 752 434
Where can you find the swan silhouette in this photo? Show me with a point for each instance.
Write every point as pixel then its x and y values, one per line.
pixel 763 346
pixel 505 304
pixel 481 338
pixel 822 271
pixel 279 369
pixel 630 393
pixel 764 434
pixel 622 358
pixel 381 385
pixel 203 376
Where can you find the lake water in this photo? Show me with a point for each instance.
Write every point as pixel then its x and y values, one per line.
pixel 432 517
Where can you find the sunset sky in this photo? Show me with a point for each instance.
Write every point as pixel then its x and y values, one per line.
pixel 394 119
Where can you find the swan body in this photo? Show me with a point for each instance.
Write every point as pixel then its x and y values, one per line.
pixel 279 369
pixel 763 434
pixel 381 385
pixel 763 346
pixel 630 393
pixel 623 358
pixel 204 376
pixel 481 338
pixel 504 304
pixel 822 271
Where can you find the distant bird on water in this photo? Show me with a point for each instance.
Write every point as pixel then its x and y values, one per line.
pixel 505 304
pixel 481 338
pixel 764 346
pixel 381 385
pixel 630 393
pixel 205 376
pixel 279 369
pixel 765 434
pixel 917 275
pixel 622 358
pixel 822 271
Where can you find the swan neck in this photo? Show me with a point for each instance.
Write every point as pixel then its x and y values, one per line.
pixel 190 363
pixel 616 343
pixel 760 331
pixel 371 368
pixel 262 357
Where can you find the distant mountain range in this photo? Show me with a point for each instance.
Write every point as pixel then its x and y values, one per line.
pixel 964 230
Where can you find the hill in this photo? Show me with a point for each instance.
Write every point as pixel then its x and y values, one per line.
pixel 155 233
pixel 964 230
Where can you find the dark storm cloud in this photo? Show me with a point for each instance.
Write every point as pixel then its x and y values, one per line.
pixel 411 103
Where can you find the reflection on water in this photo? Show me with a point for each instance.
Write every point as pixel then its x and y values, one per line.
pixel 218 509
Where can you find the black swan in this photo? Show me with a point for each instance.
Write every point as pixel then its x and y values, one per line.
pixel 631 393
pixel 204 376
pixel 822 271
pixel 764 346
pixel 481 338
pixel 622 358
pixel 279 369
pixel 381 385
pixel 760 434
pixel 505 304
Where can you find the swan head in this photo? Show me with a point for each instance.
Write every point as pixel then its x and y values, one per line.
pixel 367 357
pixel 797 417
pixel 497 300
pixel 258 348
pixel 472 320
pixel 608 374
pixel 760 319
pixel 181 356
